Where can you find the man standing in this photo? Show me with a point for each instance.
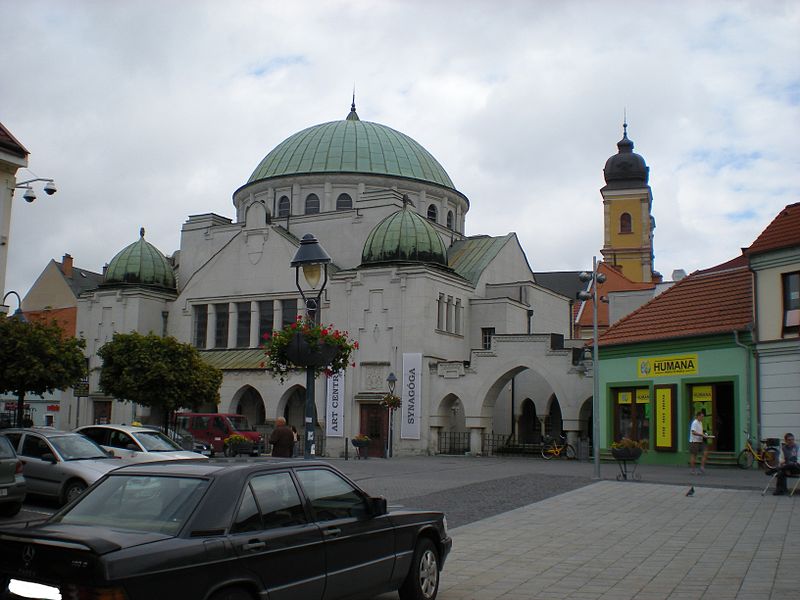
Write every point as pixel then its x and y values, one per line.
pixel 698 443
pixel 788 466
pixel 282 439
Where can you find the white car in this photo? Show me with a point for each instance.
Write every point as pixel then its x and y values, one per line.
pixel 137 444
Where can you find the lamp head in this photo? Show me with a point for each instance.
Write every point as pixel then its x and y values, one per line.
pixel 601 278
pixel 582 295
pixel 29 195
pixel 391 381
pixel 585 277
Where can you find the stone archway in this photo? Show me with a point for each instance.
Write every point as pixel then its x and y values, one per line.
pixel 248 402
pixel 585 418
pixel 553 420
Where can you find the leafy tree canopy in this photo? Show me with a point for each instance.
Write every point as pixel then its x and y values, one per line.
pixel 36 357
pixel 156 371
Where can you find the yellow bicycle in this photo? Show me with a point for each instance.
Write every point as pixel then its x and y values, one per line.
pixel 551 448
pixel 767 453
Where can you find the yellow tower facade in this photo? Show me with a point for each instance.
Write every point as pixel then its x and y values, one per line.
pixel 627 217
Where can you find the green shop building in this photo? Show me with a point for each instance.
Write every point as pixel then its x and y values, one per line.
pixel 688 348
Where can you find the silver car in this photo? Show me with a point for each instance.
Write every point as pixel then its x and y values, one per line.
pixel 137 444
pixel 59 464
pixel 12 481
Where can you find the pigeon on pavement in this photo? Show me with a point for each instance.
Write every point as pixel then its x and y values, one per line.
pixel 690 492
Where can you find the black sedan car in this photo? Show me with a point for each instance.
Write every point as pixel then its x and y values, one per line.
pixel 276 529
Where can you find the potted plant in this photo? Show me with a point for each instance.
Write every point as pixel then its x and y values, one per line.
pixel 628 449
pixel 361 440
pixel 304 344
pixel 236 444
pixel 391 401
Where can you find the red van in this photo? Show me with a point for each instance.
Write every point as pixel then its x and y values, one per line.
pixel 214 428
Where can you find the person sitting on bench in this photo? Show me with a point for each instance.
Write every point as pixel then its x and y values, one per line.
pixel 788 465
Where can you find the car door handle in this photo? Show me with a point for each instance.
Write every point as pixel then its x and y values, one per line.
pixel 254 545
pixel 331 532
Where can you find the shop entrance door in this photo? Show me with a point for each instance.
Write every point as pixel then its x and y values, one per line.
pixel 375 424
pixel 718 402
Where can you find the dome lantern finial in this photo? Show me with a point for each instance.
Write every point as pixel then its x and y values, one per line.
pixel 353 116
pixel 141 232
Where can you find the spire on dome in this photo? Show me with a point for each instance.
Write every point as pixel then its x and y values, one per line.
pixel 353 116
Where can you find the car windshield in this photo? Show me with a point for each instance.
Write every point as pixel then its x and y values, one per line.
pixel 151 503
pixel 155 441
pixel 239 423
pixel 76 447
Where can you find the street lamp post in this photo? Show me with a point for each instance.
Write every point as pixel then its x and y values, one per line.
pixel 595 278
pixel 313 260
pixel 391 382
pixel 18 314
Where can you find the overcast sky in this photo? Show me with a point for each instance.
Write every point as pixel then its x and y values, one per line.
pixel 146 112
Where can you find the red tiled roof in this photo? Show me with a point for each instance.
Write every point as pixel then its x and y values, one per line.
pixel 716 300
pixel 783 232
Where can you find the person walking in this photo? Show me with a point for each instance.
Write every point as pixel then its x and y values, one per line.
pixel 282 439
pixel 698 444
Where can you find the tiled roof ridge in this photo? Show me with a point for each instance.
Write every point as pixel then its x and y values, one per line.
pixel 782 232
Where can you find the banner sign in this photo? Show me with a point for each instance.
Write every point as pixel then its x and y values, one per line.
pixel 624 398
pixel 411 396
pixel 667 365
pixel 642 395
pixel 664 418
pixel 334 405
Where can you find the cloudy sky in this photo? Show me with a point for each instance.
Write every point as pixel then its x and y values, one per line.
pixel 145 112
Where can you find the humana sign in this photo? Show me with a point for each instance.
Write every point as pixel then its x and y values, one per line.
pixel 667 365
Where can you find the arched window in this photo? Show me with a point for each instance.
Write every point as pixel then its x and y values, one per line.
pixel 312 204
pixel 625 223
pixel 449 219
pixel 284 206
pixel 344 202
pixel 432 213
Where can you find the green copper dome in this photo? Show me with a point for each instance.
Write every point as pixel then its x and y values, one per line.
pixel 404 236
pixel 352 146
pixel 141 263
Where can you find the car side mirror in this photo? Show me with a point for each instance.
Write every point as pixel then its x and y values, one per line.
pixel 49 457
pixel 378 506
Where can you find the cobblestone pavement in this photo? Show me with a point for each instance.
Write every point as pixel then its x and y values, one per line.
pixel 569 537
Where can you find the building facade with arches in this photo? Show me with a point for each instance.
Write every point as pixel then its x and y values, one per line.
pixel 490 346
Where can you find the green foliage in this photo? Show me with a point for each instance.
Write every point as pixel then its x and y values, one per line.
pixel 157 371
pixel 36 357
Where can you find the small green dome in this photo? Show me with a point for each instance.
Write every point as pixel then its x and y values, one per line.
pixel 404 236
pixel 141 263
pixel 352 146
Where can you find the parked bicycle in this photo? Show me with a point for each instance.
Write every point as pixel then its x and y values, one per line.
pixel 767 454
pixel 551 448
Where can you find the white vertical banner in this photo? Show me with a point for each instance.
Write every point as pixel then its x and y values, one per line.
pixel 334 405
pixel 411 396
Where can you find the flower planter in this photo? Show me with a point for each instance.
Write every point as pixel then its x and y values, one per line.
pixel 300 353
pixel 237 448
pixel 362 448
pixel 626 453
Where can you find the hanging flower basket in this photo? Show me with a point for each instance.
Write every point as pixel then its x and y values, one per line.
pixel 391 401
pixel 360 441
pixel 304 344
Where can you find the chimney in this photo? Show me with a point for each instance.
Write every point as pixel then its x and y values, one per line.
pixel 66 265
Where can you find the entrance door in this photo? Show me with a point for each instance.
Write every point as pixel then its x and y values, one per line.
pixel 375 423
pixel 716 399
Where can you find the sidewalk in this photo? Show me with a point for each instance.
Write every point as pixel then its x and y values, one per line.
pixel 617 541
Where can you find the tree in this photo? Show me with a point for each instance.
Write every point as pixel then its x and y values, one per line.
pixel 159 372
pixel 37 357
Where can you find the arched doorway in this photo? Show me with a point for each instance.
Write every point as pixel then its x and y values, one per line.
pixel 529 430
pixel 250 404
pixel 553 424
pixel 586 421
pixel 293 410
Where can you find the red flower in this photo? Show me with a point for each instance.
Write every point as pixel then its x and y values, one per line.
pixel 324 332
pixel 355 345
pixel 294 325
pixel 262 365
pixel 266 335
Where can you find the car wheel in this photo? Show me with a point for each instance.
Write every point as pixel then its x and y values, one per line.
pixel 72 490
pixel 231 594
pixel 228 451
pixel 9 509
pixel 422 581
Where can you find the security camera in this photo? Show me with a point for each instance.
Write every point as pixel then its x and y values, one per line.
pixel 49 188
pixel 29 195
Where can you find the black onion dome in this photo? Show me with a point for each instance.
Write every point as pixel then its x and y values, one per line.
pixel 626 169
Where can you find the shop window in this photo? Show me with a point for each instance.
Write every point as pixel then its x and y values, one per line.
pixel 631 413
pixel 344 202
pixel 487 333
pixel 312 204
pixel 284 206
pixel 791 304
pixel 433 213
pixel 450 219
pixel 625 223
pixel 200 325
